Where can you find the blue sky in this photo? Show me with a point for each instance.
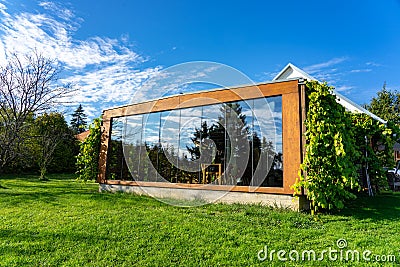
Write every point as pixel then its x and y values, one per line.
pixel 109 48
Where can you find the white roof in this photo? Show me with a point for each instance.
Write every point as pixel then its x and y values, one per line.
pixel 291 72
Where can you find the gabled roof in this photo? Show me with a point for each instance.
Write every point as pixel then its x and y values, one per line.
pixel 82 136
pixel 291 72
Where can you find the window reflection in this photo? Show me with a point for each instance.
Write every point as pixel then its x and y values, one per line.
pixel 268 127
pixel 152 144
pixel 235 143
pixel 133 146
pixel 117 169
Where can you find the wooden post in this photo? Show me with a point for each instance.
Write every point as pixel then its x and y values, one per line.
pixel 105 140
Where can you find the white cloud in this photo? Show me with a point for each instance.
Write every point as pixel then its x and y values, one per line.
pixel 338 75
pixel 61 11
pixel 360 70
pixel 105 70
pixel 344 88
pixel 324 65
pixel 328 71
pixel 373 64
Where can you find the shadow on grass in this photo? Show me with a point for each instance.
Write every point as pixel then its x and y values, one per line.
pixel 35 177
pixel 19 240
pixel 385 206
pixel 55 192
pixel 28 188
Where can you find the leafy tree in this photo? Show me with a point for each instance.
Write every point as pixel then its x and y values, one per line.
pixel 51 130
pixel 27 150
pixel 28 86
pixel 386 105
pixel 78 121
pixel 87 163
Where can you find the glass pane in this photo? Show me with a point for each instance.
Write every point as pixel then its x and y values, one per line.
pixel 237 147
pixel 211 144
pixel 151 141
pixel 133 145
pixel 169 149
pixel 268 129
pixel 115 154
pixel 177 134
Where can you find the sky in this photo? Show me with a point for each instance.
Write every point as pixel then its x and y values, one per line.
pixel 108 49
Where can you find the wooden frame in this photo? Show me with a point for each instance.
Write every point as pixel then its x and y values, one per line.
pixel 292 93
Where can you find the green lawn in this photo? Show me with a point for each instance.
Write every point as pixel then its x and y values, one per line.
pixel 66 223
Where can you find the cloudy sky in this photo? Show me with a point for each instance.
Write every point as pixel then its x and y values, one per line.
pixel 109 48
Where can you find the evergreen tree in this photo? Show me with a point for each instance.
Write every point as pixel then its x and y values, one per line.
pixel 78 121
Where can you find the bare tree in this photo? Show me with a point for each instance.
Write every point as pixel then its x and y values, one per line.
pixel 28 85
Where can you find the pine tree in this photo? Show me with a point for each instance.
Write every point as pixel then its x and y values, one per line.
pixel 78 121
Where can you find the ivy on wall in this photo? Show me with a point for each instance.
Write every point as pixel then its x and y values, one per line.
pixel 328 173
pixel 338 145
pixel 88 158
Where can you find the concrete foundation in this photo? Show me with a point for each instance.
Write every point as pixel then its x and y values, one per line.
pixel 194 197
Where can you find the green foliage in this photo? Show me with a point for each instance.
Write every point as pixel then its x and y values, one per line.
pixel 329 173
pixel 376 141
pixel 386 105
pixel 24 151
pixel 50 131
pixel 88 158
pixel 47 145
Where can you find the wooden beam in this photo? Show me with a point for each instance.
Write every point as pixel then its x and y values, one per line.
pixel 205 98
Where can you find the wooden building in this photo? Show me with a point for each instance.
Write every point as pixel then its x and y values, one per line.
pixel 242 144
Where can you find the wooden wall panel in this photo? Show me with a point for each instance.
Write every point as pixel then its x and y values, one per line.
pixel 291 139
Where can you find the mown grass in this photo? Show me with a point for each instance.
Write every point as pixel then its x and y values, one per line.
pixel 61 222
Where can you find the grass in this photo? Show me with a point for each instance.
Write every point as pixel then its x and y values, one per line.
pixel 61 222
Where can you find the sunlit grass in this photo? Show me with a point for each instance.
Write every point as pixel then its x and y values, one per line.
pixel 61 222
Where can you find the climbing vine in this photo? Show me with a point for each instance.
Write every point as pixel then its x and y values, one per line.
pixel 376 141
pixel 328 173
pixel 339 146
pixel 88 158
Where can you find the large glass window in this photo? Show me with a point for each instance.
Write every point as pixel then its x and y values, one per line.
pixel 152 144
pixel 134 149
pixel 116 166
pixel 235 143
pixel 268 151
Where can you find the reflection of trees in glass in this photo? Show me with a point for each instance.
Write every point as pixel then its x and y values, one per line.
pixel 232 124
pixel 117 168
pixel 160 160
pixel 269 171
pixel 225 135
